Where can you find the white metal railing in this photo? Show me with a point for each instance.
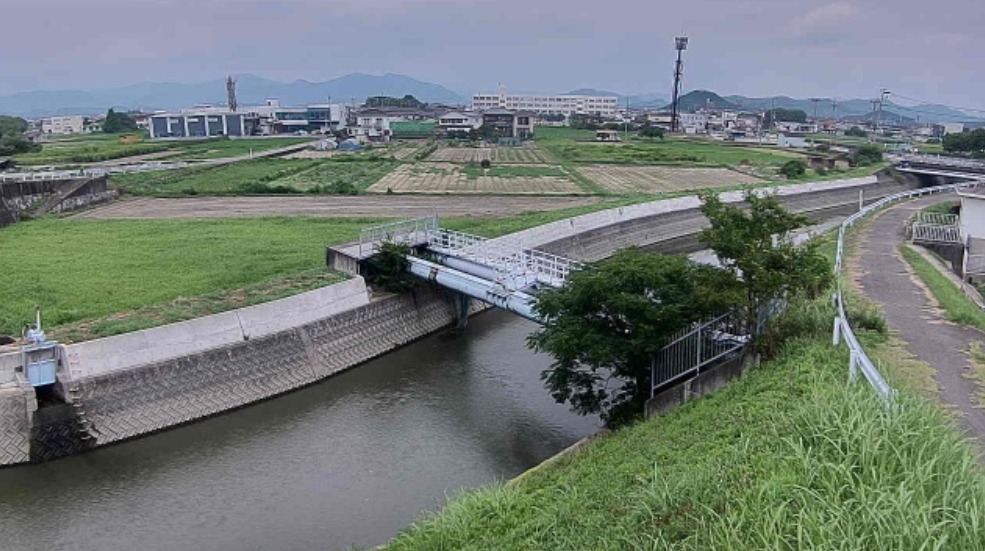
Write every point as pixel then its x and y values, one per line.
pixel 945 161
pixel 514 266
pixel 935 233
pixel 414 231
pixel 859 360
pixel 697 346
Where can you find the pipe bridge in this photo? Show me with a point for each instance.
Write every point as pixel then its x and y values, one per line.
pixel 498 272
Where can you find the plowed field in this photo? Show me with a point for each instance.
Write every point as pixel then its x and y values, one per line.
pixel 449 178
pixel 662 179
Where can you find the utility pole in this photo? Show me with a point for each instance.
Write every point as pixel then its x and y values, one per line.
pixel 680 43
pixel 815 101
pixel 883 94
pixel 625 130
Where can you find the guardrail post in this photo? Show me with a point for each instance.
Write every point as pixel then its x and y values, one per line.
pixel 836 339
pixel 853 367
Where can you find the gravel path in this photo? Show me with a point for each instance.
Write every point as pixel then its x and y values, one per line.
pixel 346 206
pixel 911 311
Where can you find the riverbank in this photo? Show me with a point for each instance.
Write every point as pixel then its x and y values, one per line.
pixel 787 457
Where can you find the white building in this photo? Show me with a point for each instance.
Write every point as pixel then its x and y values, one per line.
pixel 693 123
pixel 559 104
pixel 459 121
pixel 973 231
pixel 72 124
pixel 371 125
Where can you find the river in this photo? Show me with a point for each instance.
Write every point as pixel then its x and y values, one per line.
pixel 349 461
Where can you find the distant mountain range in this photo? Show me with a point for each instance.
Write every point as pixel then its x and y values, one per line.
pixel 250 89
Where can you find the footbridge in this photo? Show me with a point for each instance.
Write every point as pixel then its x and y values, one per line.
pixel 499 272
pixel 940 166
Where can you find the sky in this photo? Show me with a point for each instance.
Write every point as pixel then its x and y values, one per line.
pixel 844 48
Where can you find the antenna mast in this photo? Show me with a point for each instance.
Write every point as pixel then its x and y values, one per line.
pixel 231 93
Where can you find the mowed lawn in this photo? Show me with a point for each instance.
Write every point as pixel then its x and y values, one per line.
pixel 83 269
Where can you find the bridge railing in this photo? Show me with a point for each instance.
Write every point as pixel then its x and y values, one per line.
pixel 411 232
pixel 858 358
pixel 944 161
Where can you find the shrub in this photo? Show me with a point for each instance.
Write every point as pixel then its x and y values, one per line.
pixel 794 168
pixel 485 163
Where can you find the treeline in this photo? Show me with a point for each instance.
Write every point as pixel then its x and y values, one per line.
pixel 966 142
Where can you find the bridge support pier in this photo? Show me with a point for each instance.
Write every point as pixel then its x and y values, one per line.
pixel 463 305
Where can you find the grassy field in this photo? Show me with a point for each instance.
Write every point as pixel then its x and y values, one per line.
pixel 566 145
pixel 79 270
pixel 242 177
pixel 220 149
pixel 786 458
pixel 94 148
pixel 956 305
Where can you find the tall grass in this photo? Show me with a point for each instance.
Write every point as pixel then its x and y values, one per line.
pixel 957 306
pixel 789 457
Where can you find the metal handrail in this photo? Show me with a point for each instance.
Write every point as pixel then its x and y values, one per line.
pixel 859 359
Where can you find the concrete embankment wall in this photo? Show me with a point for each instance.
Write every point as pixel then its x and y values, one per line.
pixel 129 402
pixel 18 198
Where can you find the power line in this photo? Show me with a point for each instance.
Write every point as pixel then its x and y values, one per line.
pixel 934 103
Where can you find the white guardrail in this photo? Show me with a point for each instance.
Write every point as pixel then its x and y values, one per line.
pixel 859 360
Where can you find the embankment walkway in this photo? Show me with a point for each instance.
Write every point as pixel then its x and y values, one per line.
pixel 910 310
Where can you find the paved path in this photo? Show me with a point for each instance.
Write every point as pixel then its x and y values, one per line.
pixel 342 206
pixel 910 311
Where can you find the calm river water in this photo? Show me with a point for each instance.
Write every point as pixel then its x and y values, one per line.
pixel 349 461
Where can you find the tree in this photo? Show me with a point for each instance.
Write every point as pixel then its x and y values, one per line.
pixel 388 101
pixel 605 324
pixel 794 168
pixel 867 154
pixel 118 123
pixel 856 132
pixel 649 131
pixel 755 246
pixel 12 140
pixel 965 142
pixel 788 115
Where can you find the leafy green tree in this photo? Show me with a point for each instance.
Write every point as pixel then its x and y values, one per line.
pixel 867 154
pixel 387 269
pixel 793 169
pixel 965 142
pixel 756 247
pixel 786 115
pixel 118 123
pixel 856 132
pixel 388 101
pixel 12 140
pixel 650 131
pixel 604 326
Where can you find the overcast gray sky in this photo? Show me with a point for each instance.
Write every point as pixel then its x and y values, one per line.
pixel 844 48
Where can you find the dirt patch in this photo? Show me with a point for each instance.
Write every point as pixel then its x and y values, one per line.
pixel 330 206
pixel 657 179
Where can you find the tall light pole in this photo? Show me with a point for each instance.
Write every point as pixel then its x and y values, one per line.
pixel 680 43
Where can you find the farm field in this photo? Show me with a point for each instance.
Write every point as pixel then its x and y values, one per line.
pixel 343 174
pixel 492 154
pixel 575 146
pixel 450 178
pixel 662 179
pixel 242 177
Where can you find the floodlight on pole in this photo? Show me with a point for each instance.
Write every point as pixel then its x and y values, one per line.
pixel 680 44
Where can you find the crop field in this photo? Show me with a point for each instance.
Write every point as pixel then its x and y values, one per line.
pixel 343 174
pixel 243 177
pixel 493 154
pixel 449 178
pixel 662 179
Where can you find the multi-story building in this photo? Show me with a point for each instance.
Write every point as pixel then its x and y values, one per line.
pixel 509 124
pixel 560 104
pixel 270 118
pixel 72 124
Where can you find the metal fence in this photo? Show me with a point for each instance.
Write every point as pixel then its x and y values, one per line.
pixel 859 360
pixel 935 227
pixel 410 232
pixel 698 346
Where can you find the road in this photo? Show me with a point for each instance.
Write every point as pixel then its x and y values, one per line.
pixel 330 206
pixel 913 313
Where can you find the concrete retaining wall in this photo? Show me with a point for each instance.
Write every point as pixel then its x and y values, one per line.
pixel 139 400
pixel 194 336
pixel 16 408
pixel 701 385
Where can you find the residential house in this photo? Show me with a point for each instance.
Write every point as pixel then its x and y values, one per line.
pixel 459 122
pixel 509 124
pixel 71 124
pixel 371 125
